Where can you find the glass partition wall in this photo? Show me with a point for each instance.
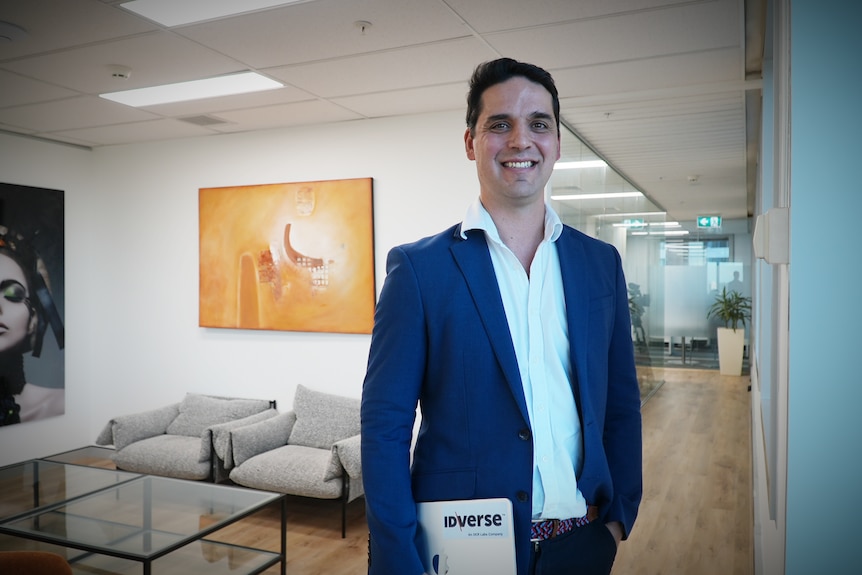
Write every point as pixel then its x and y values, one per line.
pixel 592 197
pixel 674 269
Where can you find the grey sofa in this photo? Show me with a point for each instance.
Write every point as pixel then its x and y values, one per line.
pixel 186 440
pixel 311 451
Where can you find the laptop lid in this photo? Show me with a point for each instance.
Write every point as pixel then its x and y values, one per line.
pixel 467 537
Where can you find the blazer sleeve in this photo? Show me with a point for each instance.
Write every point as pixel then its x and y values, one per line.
pixel 622 432
pixel 390 394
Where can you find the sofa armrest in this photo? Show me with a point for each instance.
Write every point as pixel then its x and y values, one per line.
pixel 219 438
pixel 250 440
pixel 127 429
pixel 346 455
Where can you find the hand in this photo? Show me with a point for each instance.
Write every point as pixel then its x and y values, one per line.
pixel 616 529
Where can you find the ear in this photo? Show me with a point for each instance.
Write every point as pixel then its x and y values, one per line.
pixel 468 145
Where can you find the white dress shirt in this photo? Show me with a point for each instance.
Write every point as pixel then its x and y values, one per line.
pixel 536 312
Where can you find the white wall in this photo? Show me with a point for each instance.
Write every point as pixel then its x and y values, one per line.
pixel 133 340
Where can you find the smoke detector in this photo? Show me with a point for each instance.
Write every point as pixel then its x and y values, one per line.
pixel 120 72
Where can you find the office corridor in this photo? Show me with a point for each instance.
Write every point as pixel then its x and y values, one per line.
pixel 696 516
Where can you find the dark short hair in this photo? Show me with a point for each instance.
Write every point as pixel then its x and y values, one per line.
pixel 498 71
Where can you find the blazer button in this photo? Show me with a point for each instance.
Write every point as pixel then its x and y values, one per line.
pixel 524 435
pixel 523 496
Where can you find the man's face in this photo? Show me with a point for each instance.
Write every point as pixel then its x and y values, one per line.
pixel 515 144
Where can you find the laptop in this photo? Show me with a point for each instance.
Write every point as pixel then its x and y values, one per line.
pixel 467 537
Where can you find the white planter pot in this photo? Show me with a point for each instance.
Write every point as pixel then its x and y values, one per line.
pixel 730 349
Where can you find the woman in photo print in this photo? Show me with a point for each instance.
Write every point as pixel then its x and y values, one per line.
pixel 26 311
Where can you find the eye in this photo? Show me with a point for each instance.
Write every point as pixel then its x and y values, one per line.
pixel 499 126
pixel 13 291
pixel 541 126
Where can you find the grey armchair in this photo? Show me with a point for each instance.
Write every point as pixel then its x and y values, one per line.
pixel 310 451
pixel 186 440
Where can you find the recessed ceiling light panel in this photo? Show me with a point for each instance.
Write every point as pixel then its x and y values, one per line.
pixel 179 12
pixel 241 83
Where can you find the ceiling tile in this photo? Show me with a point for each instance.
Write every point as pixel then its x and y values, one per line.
pixel 301 113
pixel 56 24
pixel 18 90
pixel 155 58
pixel 326 29
pixel 69 114
pixel 411 67
pixel 136 132
pixel 494 15
pixel 409 101
pixel 699 27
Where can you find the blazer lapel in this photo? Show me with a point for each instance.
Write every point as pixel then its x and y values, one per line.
pixel 572 268
pixel 474 261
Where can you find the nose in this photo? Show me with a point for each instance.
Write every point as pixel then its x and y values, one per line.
pixel 519 137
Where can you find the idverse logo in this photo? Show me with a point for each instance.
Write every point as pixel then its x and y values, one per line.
pixel 463 523
pixel 472 521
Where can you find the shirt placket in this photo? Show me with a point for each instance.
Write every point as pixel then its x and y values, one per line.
pixel 544 457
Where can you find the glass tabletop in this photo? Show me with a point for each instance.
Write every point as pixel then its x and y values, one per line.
pixel 31 485
pixel 91 456
pixel 141 519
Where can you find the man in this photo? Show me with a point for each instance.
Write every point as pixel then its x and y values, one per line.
pixel 512 332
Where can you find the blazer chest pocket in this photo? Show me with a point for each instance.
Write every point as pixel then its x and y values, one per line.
pixel 602 315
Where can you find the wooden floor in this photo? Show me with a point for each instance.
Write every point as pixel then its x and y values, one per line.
pixel 695 519
pixel 696 516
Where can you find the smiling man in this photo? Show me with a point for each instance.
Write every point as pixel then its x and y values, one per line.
pixel 511 331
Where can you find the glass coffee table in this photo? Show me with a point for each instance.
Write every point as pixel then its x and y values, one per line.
pixel 118 522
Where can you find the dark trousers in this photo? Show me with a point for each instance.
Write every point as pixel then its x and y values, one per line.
pixel 587 550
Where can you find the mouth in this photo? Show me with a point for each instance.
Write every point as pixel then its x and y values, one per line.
pixel 521 164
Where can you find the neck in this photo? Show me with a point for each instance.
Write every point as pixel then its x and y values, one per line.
pixel 521 229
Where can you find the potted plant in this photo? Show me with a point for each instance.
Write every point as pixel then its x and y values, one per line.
pixel 733 309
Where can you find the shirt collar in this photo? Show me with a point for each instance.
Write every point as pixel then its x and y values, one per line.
pixel 478 218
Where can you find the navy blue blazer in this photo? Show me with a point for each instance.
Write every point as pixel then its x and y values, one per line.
pixel 441 338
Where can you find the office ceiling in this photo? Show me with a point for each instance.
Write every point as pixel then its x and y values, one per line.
pixel 667 91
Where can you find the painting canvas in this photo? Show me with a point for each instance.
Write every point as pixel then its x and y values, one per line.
pixel 290 256
pixel 32 333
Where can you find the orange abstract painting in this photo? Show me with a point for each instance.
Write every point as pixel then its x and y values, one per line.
pixel 294 256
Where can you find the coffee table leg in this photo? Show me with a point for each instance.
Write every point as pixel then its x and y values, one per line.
pixel 148 520
pixel 283 536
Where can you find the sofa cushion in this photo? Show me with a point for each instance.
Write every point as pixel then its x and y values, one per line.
pixel 197 412
pixel 291 469
pixel 127 429
pixel 322 418
pixel 166 455
pixel 221 436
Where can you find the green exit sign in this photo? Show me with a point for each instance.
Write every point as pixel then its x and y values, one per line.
pixel 709 221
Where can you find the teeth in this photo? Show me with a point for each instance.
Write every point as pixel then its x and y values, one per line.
pixel 518 164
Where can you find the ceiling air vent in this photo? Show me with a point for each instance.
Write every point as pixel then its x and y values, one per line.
pixel 203 120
